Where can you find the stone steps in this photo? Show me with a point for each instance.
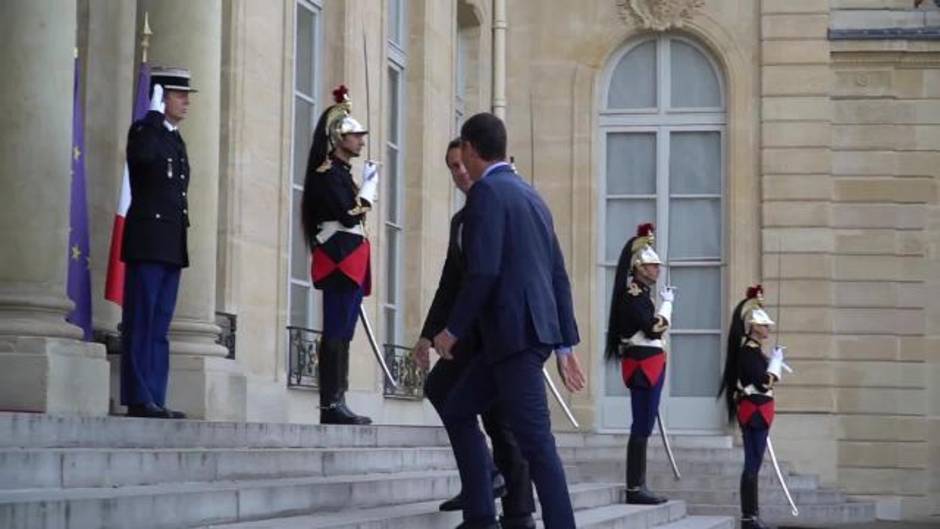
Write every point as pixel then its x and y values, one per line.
pixel 660 481
pixel 612 470
pixel 820 515
pixel 772 495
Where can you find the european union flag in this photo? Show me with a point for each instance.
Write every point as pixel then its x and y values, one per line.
pixel 79 259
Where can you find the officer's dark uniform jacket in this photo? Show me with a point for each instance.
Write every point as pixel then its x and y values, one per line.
pixel 344 256
pixel 447 289
pixel 755 387
pixel 642 365
pixel 158 217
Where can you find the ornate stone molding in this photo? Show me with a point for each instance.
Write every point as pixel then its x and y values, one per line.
pixel 659 15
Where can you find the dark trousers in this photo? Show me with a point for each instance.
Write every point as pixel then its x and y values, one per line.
pixel 506 452
pixel 340 311
pixel 516 382
pixel 755 444
pixel 149 300
pixel 644 402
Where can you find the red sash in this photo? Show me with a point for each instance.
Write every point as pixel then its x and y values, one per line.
pixel 355 266
pixel 651 367
pixel 747 409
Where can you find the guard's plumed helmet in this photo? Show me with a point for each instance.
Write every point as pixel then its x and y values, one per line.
pixel 752 309
pixel 641 246
pixel 339 122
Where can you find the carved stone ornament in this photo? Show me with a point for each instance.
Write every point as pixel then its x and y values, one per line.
pixel 659 15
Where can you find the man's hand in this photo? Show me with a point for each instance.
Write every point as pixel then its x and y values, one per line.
pixel 443 343
pixel 421 352
pixel 569 368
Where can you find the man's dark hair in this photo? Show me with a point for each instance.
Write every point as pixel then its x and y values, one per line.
pixel 454 144
pixel 487 134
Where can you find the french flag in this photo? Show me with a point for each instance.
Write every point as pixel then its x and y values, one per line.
pixel 114 281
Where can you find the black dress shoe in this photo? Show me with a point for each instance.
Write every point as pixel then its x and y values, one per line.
pixel 524 521
pixel 479 525
pixel 753 523
pixel 642 496
pixel 339 413
pixel 456 503
pixel 174 414
pixel 147 411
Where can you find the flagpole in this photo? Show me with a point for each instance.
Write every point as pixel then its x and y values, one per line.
pixel 145 40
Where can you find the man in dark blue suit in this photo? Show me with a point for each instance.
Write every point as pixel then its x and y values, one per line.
pixel 517 290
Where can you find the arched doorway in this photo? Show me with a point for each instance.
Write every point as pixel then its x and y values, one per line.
pixel 662 133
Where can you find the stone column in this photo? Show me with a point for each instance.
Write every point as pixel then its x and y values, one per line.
pixel 203 382
pixel 44 367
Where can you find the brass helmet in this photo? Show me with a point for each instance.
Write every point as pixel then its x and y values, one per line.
pixel 641 247
pixel 339 122
pixel 752 312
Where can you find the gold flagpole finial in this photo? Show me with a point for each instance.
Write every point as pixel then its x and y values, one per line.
pixel 76 52
pixel 145 41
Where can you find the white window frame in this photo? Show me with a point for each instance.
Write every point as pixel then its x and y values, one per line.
pixel 313 314
pixel 662 121
pixel 397 61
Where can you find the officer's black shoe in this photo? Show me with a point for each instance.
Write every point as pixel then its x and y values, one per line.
pixel 642 496
pixel 456 503
pixel 524 521
pixel 173 414
pixel 147 411
pixel 479 525
pixel 753 523
pixel 338 413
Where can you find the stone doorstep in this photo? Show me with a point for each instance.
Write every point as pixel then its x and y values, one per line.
pixel 823 515
pixel 768 496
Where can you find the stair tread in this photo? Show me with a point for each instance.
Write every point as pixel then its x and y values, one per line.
pixel 701 522
pixel 326 520
pixel 91 493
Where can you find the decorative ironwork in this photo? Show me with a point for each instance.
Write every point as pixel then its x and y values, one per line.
pixel 410 376
pixel 228 323
pixel 303 363
pixel 659 15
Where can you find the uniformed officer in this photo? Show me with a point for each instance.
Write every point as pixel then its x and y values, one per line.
pixel 747 385
pixel 154 245
pixel 635 335
pixel 333 212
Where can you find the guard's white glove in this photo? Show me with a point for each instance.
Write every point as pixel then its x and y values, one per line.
pixel 370 182
pixel 156 100
pixel 668 295
pixel 775 367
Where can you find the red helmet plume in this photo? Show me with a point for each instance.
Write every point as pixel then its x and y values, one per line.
pixel 339 94
pixel 756 291
pixel 644 230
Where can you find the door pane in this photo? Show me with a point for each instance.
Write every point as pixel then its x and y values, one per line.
pixel 631 163
pixel 299 255
pixel 698 299
pixel 695 228
pixel 623 216
pixel 391 334
pixel 694 365
pixel 695 163
pixel 694 83
pixel 391 191
pixel 394 104
pixel 391 264
pixel 633 84
pixel 299 305
pixel 305 51
pixel 613 385
pixel 303 135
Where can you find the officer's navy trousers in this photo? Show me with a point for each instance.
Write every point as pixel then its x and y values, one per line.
pixel 149 300
pixel 755 444
pixel 517 382
pixel 340 311
pixel 644 403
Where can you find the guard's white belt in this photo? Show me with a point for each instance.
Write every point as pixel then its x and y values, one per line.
pixel 330 227
pixel 639 339
pixel 752 390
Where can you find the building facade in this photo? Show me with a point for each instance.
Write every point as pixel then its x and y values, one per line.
pixel 790 142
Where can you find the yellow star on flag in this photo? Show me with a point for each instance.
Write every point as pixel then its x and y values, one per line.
pixel 76 252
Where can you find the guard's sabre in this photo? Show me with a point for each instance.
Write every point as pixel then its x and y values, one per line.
pixel 669 454
pixel 375 346
pixel 561 401
pixel 783 484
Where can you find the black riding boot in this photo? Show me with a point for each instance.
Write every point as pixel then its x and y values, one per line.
pixel 636 474
pixel 749 503
pixel 334 381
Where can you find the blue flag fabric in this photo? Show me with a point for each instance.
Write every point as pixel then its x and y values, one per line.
pixel 79 259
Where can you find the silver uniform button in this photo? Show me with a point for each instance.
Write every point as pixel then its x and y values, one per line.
pixel 157 216
pixel 184 193
pixel 186 211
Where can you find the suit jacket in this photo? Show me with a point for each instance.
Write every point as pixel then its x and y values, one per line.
pixel 158 217
pixel 516 285
pixel 452 277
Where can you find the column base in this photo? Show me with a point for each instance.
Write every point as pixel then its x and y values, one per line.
pixel 53 375
pixel 207 388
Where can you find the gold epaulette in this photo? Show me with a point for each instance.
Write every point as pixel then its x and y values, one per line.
pixel 363 207
pixel 660 324
pixel 633 289
pixel 325 166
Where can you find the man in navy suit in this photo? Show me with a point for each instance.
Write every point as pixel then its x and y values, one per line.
pixel 517 290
